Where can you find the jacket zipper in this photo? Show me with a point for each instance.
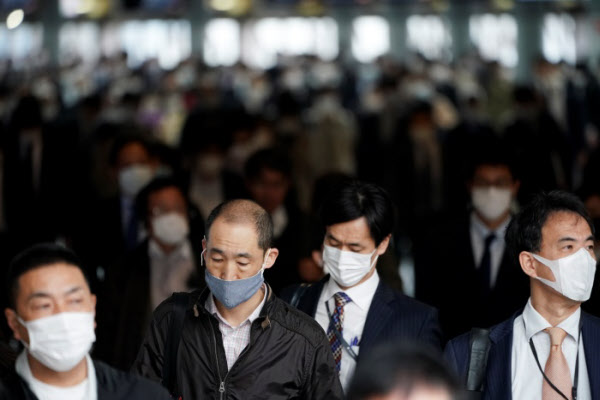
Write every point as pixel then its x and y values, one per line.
pixel 222 380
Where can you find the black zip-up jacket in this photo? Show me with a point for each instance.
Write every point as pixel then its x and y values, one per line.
pixel 112 385
pixel 288 357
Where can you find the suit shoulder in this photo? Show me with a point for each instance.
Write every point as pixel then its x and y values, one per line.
pixel 116 381
pixel 298 322
pixel 406 303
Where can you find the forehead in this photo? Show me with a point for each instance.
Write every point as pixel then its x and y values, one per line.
pixel 355 230
pixel 565 223
pixel 167 195
pixel 51 278
pixel 239 236
pixel 491 171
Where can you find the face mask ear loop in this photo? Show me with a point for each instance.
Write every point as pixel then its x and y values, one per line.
pixel 262 269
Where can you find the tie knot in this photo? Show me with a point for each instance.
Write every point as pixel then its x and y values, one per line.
pixel 489 239
pixel 341 299
pixel 557 335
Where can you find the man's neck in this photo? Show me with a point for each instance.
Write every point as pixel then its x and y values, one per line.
pixel 236 315
pixel 551 305
pixel 56 378
pixel 494 224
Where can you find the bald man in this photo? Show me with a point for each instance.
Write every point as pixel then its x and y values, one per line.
pixel 236 339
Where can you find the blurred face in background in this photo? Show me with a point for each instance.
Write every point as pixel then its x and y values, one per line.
pixel 269 189
pixel 167 210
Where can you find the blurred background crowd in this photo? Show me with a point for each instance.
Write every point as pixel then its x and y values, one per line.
pixel 82 136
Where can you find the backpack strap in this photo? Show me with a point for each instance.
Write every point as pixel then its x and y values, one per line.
pixel 180 305
pixel 480 347
pixel 299 293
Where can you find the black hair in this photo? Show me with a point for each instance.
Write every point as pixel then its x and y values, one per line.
pixel 122 140
pixel 244 211
pixel 272 159
pixel 524 233
pixel 492 152
pixel 400 367
pixel 354 199
pixel 155 185
pixel 36 256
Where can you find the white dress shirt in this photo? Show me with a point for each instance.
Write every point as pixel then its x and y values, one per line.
pixel 355 316
pixel 479 232
pixel 169 273
pixel 527 378
pixel 235 338
pixel 86 390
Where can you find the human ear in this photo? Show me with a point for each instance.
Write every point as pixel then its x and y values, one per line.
pixel 381 249
pixel 527 262
pixel 273 253
pixel 13 322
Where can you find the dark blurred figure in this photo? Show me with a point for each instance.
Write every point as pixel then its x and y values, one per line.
pixel 116 227
pixel 268 179
pixel 210 182
pixel 38 177
pixel 542 153
pixel 167 261
pixel 418 168
pixel 403 373
pixel 7 357
pixel 462 266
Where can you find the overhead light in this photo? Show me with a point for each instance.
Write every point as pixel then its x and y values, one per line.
pixel 15 19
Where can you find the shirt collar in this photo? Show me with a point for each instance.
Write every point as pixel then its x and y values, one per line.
pixel 534 322
pixel 360 295
pixel 211 307
pixel 184 250
pixel 483 230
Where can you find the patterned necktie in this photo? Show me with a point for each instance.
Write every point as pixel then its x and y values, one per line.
pixel 337 322
pixel 557 369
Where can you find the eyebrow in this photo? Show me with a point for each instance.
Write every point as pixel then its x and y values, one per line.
pixel 570 239
pixel 43 295
pixel 329 235
pixel 238 255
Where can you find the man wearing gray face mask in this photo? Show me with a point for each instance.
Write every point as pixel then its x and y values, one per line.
pixel 549 349
pixel 236 339
pixel 52 314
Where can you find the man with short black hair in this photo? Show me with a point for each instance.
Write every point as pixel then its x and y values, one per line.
pixel 52 313
pixel 462 266
pixel 352 304
pixel 236 339
pixel 403 373
pixel 549 350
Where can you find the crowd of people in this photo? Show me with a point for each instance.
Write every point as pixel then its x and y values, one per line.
pixel 279 204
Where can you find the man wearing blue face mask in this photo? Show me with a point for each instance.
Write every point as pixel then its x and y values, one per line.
pixel 236 339
pixel 352 304
pixel 549 350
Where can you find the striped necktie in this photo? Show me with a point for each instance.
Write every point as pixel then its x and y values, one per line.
pixel 337 323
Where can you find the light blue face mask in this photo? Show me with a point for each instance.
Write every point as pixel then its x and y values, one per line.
pixel 233 293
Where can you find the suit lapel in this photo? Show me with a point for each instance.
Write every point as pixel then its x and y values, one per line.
pixel 498 379
pixel 378 315
pixel 591 343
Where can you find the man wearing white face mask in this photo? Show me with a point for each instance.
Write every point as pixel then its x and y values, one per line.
pixel 167 261
pixel 354 307
pixel 477 283
pixel 52 314
pixel 550 349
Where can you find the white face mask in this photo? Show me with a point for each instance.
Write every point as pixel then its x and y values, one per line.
pixel 346 267
pixel 171 228
pixel 574 274
pixel 62 340
pixel 133 178
pixel 491 202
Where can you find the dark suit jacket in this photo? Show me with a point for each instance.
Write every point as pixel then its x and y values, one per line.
pixel 498 372
pixel 391 317
pixel 129 299
pixel 446 277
